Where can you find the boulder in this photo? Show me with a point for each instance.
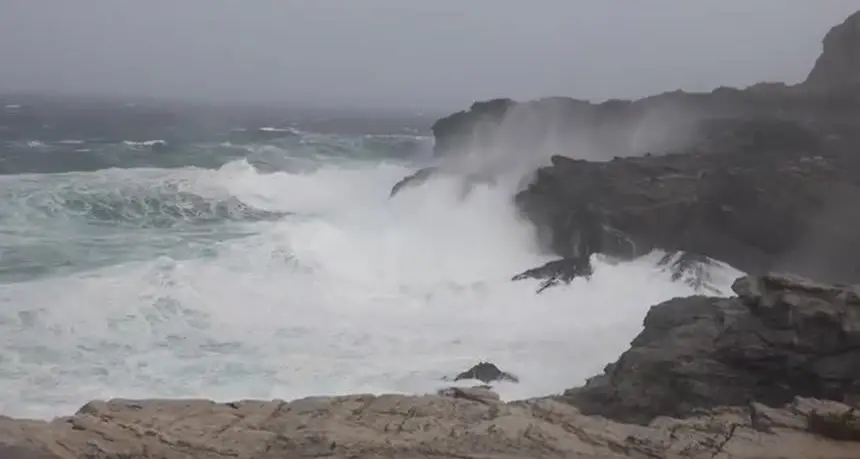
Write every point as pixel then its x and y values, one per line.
pixel 781 337
pixel 486 372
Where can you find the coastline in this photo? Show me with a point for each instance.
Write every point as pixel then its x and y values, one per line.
pixel 770 372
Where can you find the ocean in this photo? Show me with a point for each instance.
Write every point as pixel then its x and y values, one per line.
pixel 263 261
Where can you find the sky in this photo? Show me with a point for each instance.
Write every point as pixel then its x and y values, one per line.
pixel 430 54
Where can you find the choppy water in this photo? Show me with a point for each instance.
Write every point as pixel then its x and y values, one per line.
pixel 279 268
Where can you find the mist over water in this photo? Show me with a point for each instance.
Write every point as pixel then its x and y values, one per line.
pixel 282 269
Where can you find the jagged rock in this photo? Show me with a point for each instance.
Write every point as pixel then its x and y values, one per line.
pixel 837 69
pixel 558 272
pixel 401 426
pixel 414 179
pixel 756 212
pixel 486 372
pixel 464 128
pixel 691 269
pixel 781 336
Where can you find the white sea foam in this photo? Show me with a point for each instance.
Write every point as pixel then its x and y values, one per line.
pixel 145 143
pixel 355 293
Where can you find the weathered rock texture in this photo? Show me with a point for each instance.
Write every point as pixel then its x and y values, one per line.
pixel 437 426
pixel 781 337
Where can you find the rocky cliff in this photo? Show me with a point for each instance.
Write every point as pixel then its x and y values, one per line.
pixel 706 378
pixel 761 178
pixel 674 121
pixel 670 122
pixel 757 211
pixel 838 67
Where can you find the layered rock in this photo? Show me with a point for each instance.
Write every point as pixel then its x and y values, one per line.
pixel 780 337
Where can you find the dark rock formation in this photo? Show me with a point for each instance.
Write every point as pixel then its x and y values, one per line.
pixel 486 372
pixel 558 272
pixel 762 117
pixel 690 268
pixel 467 181
pixel 754 211
pixel 781 337
pixel 761 178
pixel 466 127
pixel 765 116
pixel 417 178
pixel 837 69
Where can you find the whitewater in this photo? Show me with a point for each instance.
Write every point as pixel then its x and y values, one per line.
pixel 285 278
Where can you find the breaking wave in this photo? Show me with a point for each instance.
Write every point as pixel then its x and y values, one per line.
pixel 287 279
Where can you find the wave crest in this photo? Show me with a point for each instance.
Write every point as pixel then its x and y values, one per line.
pixel 161 208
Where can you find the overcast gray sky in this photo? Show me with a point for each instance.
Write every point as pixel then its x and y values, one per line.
pixel 403 53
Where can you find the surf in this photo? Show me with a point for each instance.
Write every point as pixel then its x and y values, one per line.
pixel 344 291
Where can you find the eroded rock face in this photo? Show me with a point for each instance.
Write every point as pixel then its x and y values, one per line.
pixel 782 336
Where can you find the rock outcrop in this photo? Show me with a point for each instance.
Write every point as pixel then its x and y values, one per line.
pixel 410 427
pixel 486 372
pixel 779 338
pixel 755 211
pixel 837 69
pixel 761 178
pixel 758 118
pixel 558 272
pixel 418 177
pixel 764 116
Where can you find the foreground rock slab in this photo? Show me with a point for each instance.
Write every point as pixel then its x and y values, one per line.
pixel 398 426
